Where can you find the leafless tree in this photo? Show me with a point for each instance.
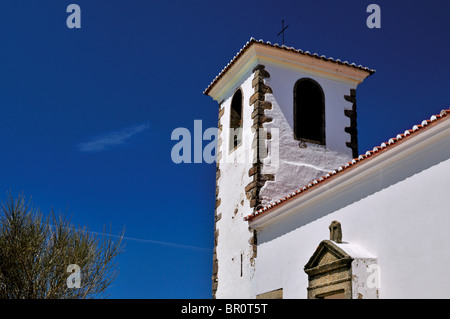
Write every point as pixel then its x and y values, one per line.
pixel 35 253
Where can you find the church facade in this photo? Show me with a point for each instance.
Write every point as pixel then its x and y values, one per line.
pixel 299 212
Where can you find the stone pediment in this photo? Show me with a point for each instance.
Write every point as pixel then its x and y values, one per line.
pixel 328 256
pixel 339 270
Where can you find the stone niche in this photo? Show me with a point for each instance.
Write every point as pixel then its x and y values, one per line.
pixel 342 271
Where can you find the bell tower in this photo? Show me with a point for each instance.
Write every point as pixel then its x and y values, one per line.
pixel 286 117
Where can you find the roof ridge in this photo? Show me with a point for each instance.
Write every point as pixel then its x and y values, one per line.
pixel 354 161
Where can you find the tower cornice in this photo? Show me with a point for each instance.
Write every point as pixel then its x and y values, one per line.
pixel 260 52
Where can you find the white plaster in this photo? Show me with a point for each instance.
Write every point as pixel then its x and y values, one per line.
pixel 400 215
pixel 317 168
pixel 234 234
pixel 365 271
pixel 292 165
pixel 300 165
pixel 363 285
pixel 355 251
pixel 295 167
pixel 394 216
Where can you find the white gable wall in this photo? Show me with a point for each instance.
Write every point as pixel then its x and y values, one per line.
pixel 401 216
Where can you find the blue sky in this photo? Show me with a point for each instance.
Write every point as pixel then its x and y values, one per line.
pixel 86 115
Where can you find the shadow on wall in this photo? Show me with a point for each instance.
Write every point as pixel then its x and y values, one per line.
pixel 318 208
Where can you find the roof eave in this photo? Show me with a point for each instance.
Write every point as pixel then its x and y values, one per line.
pixel 286 50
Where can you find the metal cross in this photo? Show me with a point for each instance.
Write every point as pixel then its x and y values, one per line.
pixel 283 28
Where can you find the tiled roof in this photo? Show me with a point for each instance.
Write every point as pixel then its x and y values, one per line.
pixel 378 149
pixel 281 47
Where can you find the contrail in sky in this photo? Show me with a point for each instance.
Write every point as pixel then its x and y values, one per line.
pixel 155 242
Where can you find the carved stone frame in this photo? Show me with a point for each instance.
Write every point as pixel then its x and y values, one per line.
pixel 329 271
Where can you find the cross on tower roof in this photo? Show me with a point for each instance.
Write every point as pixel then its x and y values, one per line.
pixel 283 28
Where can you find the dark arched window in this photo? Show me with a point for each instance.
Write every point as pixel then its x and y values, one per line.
pixel 309 111
pixel 236 119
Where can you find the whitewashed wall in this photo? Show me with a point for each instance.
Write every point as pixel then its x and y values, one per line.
pixel 234 234
pixel 401 216
pixel 300 165
pixel 297 167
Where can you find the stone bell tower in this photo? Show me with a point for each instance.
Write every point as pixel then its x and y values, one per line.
pixel 286 117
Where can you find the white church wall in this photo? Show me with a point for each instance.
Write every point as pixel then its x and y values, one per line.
pixel 234 235
pixel 400 216
pixel 365 278
pixel 301 162
pixel 365 271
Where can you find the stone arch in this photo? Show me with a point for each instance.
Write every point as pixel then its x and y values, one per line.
pixel 236 119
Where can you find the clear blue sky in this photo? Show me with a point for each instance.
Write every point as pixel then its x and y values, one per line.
pixel 86 114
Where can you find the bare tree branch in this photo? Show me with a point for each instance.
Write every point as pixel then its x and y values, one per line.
pixel 35 254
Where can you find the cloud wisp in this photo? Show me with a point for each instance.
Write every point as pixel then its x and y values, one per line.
pixel 111 139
